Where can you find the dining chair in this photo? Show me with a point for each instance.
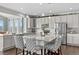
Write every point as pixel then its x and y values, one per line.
pixel 31 46
pixel 55 46
pixel 39 43
pixel 19 44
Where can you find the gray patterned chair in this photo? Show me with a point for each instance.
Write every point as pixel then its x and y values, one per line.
pixel 19 44
pixel 55 46
pixel 31 46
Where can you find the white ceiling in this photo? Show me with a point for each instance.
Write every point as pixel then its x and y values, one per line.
pixel 37 9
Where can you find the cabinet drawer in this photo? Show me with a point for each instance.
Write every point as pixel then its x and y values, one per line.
pixel 7 43
pixel 76 40
pixel 69 39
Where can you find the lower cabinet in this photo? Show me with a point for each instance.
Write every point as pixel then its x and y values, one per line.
pixel 73 39
pixel 1 43
pixel 76 40
pixel 69 39
pixel 8 42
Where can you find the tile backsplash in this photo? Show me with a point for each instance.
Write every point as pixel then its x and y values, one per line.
pixel 73 30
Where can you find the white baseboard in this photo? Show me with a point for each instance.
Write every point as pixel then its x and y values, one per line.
pixel 72 44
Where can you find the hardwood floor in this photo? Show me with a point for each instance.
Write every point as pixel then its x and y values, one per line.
pixel 70 50
pixel 66 50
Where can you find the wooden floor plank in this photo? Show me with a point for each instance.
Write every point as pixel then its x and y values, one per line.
pixel 66 50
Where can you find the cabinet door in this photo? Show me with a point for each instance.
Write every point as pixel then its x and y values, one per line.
pixel 57 19
pixel 12 41
pixel 63 19
pixel 46 20
pixel 76 39
pixel 75 21
pixel 1 43
pixel 70 20
pixel 38 23
pixel 51 22
pixel 7 42
pixel 69 39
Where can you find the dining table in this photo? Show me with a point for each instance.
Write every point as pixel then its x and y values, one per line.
pixel 41 40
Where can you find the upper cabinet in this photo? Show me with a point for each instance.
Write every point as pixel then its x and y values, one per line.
pixel 69 20
pixel 75 20
pixel 57 19
pixel 51 22
pixel 38 22
pixel 64 19
pixel 72 21
pixel 41 21
pixel 3 24
pixel 60 19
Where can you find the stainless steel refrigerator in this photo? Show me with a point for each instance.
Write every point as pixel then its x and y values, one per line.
pixel 62 29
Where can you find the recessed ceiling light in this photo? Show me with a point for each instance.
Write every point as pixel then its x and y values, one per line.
pixel 49 17
pixel 43 14
pixel 21 15
pixel 41 3
pixel 27 16
pixel 50 11
pixel 70 8
pixel 21 8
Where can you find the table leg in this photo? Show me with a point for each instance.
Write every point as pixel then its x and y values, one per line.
pixel 41 51
pixel 44 51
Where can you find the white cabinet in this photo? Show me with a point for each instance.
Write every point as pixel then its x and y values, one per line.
pixel 8 42
pixel 72 21
pixel 69 20
pixel 1 43
pixel 76 39
pixel 57 19
pixel 37 23
pixel 75 20
pixel 69 39
pixel 73 39
pixel 51 22
pixel 41 21
pixel 63 19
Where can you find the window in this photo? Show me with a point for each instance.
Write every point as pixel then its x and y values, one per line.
pixel 24 25
pixel 1 25
pixel 10 25
pixel 17 25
